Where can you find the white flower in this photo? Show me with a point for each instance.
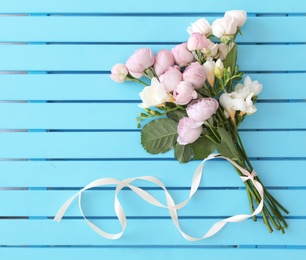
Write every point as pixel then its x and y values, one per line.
pixel 232 103
pixel 211 49
pixel 239 15
pixel 250 108
pixel 224 26
pixel 200 26
pixel 210 71
pixel 154 95
pixel 248 87
pixel 241 98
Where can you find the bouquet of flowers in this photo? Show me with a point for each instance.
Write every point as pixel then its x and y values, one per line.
pixel 197 102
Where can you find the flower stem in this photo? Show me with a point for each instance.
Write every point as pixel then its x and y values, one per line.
pixel 253 192
pixel 271 207
pixel 140 81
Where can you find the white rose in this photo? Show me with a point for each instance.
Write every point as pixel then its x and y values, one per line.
pixel 224 26
pixel 154 95
pixel 239 15
pixel 200 26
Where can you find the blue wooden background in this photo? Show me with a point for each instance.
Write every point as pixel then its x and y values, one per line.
pixel 64 123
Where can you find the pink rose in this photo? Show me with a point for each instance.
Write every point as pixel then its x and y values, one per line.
pixel 163 60
pixel 141 60
pixel 184 93
pixel 196 41
pixel 195 73
pixel 119 73
pixel 202 109
pixel 189 131
pixel 171 78
pixel 182 55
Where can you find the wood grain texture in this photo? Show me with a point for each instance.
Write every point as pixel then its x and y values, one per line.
pixel 79 126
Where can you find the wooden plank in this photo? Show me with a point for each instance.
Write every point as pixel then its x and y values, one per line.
pixel 94 145
pixel 158 29
pixel 149 253
pixel 205 203
pixel 160 6
pixel 102 57
pixel 101 87
pixel 277 173
pixel 73 238
pixel 100 115
pixel 144 232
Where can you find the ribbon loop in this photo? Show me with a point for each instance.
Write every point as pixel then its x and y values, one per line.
pixel 171 206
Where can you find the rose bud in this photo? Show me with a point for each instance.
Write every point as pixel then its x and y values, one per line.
pixel 202 109
pixel 141 60
pixel 119 73
pixel 182 55
pixel 171 78
pixel 210 71
pixel 195 73
pixel 188 131
pixel 196 41
pixel 163 60
pixel 184 93
pixel 219 69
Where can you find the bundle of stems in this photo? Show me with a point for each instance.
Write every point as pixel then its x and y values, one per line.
pixel 272 209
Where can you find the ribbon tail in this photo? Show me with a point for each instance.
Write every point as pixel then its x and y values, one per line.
pixel 61 212
pixel 171 206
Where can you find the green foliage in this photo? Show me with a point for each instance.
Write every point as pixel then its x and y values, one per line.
pixel 227 147
pixel 183 153
pixel 231 59
pixel 202 148
pixel 176 115
pixel 159 136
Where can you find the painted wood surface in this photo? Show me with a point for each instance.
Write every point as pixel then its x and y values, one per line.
pixel 64 123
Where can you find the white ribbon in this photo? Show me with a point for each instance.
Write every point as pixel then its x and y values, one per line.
pixel 171 206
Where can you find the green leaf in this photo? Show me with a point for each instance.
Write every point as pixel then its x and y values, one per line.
pixel 227 147
pixel 231 59
pixel 159 136
pixel 176 115
pixel 183 153
pixel 202 148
